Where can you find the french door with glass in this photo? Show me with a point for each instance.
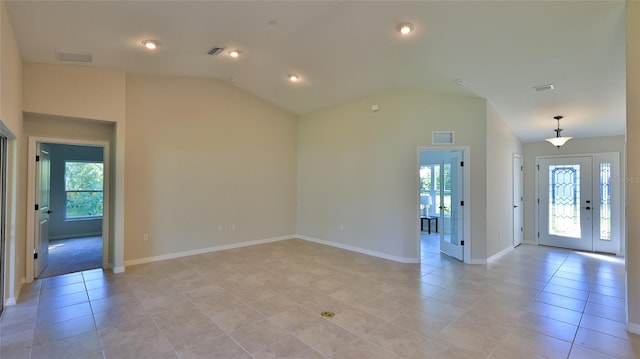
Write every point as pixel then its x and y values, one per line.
pixel 450 205
pixel 578 202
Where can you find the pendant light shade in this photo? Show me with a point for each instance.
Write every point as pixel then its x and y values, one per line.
pixel 558 140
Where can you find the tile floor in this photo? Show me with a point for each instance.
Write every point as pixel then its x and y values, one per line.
pixel 264 302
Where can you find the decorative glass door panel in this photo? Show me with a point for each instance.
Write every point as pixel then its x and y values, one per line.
pixel 566 204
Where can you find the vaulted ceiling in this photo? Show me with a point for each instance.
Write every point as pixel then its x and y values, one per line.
pixel 344 50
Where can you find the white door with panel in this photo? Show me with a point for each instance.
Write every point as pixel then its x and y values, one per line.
pixel 451 211
pixel 579 203
pixel 43 210
pixel 518 200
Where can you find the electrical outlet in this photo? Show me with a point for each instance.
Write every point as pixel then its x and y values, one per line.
pixel 219 228
pixel 145 236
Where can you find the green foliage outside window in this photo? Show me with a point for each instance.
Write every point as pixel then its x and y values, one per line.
pixel 84 186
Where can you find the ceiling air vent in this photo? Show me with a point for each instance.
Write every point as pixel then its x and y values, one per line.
pixel 543 87
pixel 215 51
pixel 74 57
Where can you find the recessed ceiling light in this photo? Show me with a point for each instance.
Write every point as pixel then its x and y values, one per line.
pixel 294 78
pixel 234 53
pixel 405 28
pixel 150 44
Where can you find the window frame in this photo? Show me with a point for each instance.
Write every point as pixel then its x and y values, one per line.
pixel 66 193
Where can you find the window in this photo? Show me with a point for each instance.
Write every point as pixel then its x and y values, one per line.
pixel 605 201
pixel 83 188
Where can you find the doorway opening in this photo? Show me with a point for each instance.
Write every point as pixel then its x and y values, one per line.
pixel 441 203
pixel 70 200
pixel 69 183
pixel 579 202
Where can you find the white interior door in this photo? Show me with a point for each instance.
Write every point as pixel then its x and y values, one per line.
pixel 43 179
pixel 518 199
pixel 566 202
pixel 451 213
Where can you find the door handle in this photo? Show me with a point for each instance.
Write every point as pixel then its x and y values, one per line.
pixel 587 208
pixel 514 206
pixel 49 212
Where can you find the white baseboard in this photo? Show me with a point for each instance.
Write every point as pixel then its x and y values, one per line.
pixel 10 301
pixel 530 242
pixel 201 251
pixel 478 261
pixel 500 254
pixel 77 235
pixel 360 250
pixel 633 328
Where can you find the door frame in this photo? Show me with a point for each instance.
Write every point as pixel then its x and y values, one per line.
pixel 466 185
pixel 617 226
pixel 31 197
pixel 3 218
pixel 518 157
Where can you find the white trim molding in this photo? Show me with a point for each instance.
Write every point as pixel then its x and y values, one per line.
pixel 163 257
pixel 499 254
pixel 633 328
pixel 360 250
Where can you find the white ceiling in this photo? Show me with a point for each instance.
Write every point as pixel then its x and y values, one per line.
pixel 346 50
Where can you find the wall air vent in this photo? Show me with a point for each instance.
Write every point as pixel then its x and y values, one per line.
pixel 74 56
pixel 442 138
pixel 215 51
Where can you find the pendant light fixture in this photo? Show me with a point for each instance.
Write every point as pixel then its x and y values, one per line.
pixel 558 140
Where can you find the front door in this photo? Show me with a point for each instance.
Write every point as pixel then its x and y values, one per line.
pixel 450 205
pixel 579 202
pixel 567 201
pixel 41 250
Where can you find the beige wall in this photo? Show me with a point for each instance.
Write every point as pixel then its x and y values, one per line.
pixel 359 169
pixel 573 147
pixel 202 155
pixel 40 125
pixel 88 94
pixel 502 144
pixel 633 165
pixel 75 91
pixel 11 124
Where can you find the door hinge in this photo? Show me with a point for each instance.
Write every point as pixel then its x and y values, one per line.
pixel 462 243
pixel 538 167
pixel 35 255
pixel 521 229
pixel 462 203
pixel 538 200
pixel 37 158
pixel 37 207
pixel 462 164
pixel 538 234
pixel 521 168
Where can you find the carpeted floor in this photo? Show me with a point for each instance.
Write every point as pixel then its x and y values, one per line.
pixel 73 255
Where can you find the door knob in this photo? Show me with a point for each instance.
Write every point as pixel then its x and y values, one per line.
pixel 49 212
pixel 514 206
